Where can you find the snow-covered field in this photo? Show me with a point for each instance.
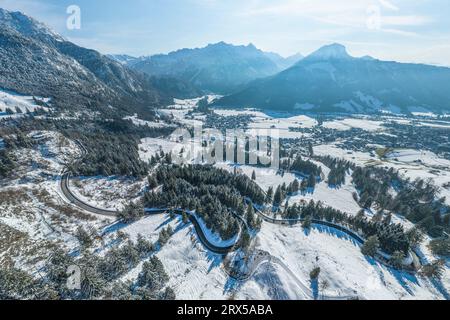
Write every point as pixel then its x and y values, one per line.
pixel 110 193
pixel 18 103
pixel 347 124
pixel 197 274
pixel 139 122
pixel 34 218
pixel 411 164
pixel 342 265
pixel 283 123
pixel 265 177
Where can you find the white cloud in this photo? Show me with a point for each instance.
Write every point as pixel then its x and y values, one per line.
pixel 389 5
pixel 349 13
pixel 405 20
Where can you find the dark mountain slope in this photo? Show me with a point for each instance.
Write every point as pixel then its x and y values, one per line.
pixel 330 80
pixel 219 68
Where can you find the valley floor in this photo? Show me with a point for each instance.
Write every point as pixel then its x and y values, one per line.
pixel 35 218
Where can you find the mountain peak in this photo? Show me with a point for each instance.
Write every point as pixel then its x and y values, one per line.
pixel 333 51
pixel 25 24
pixel 220 44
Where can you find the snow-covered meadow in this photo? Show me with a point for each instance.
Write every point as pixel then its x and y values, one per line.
pixel 19 104
pixel 34 217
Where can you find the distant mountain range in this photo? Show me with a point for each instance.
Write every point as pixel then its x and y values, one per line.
pixel 34 60
pixel 330 80
pixel 217 68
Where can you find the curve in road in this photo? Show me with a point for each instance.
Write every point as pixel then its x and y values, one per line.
pixel 70 196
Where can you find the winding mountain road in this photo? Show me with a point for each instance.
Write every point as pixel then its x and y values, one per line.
pixel 222 250
pixel 263 259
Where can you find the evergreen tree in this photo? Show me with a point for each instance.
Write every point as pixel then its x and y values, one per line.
pixel 131 212
pixel 314 274
pixel 311 181
pixel 397 259
pixel 84 237
pixel 251 220
pixel 295 186
pixel 310 149
pixel 371 246
pixel 415 236
pixel 434 270
pixel 440 247
pixel 143 246
pixel 168 294
pixel 185 217
pixel 304 185
pixel 152 182
pixel 307 223
pixel 245 242
pixel 278 197
pixel 269 196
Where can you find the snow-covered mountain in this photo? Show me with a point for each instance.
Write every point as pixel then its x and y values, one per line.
pixel 219 68
pixel 331 80
pixel 282 62
pixel 124 59
pixel 331 52
pixel 34 60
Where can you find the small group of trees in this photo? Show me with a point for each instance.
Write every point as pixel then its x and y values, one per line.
pixel 216 195
pixel 253 221
pixel 10 141
pixel 99 276
pixel 440 247
pixel 338 170
pixel 416 200
pixel 161 157
pixel 131 212
pixel 283 191
pixel 389 237
pixel 85 237
pixel 165 235
pixel 304 167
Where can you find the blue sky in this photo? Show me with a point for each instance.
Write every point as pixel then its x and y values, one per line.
pixel 402 30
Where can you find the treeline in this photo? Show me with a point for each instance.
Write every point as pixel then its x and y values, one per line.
pixel 112 144
pixel 216 195
pixel 392 237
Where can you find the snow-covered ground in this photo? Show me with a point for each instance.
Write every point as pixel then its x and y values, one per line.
pixel 342 264
pixel 139 122
pixel 213 237
pixel 34 218
pixel 110 193
pixel 349 123
pixel 16 102
pixel 339 198
pixel 411 164
pixel 196 273
pixel 250 112
pixel 283 123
